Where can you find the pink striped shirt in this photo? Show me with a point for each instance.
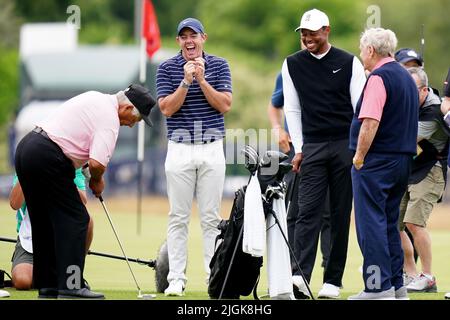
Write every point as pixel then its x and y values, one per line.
pixel 85 127
pixel 374 95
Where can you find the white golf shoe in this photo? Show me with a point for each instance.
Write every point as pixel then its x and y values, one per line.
pixel 4 294
pixel 329 291
pixel 447 295
pixel 175 288
pixel 383 295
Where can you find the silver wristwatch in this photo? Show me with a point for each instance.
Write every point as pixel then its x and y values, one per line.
pixel 184 84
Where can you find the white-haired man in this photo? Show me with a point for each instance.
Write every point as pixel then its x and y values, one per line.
pixel 383 136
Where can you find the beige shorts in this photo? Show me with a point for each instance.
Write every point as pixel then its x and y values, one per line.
pixel 420 198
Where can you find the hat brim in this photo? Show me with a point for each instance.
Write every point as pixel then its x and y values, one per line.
pixel 309 27
pixel 402 61
pixel 196 30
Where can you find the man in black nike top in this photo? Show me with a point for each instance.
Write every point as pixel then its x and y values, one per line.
pixel 322 85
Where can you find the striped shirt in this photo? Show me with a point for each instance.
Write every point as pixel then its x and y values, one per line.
pixel 196 120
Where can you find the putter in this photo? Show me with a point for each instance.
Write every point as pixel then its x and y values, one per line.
pixel 140 294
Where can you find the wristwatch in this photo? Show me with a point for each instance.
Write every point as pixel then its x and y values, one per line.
pixel 184 84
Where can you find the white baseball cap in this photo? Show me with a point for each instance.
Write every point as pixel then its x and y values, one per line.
pixel 313 20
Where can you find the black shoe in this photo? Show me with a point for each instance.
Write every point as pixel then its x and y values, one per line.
pixel 48 293
pixel 83 293
pixel 298 294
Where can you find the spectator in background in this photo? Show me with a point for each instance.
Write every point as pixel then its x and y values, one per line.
pixel 321 86
pixel 409 58
pixel 194 93
pixel 445 109
pixel 425 186
pixel 383 136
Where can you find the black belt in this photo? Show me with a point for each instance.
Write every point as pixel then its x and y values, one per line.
pixel 41 131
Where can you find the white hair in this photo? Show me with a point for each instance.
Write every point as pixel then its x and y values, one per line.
pixel 123 100
pixel 421 75
pixel 383 41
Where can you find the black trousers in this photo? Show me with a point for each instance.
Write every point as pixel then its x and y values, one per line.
pixel 59 219
pixel 325 168
pixel 292 181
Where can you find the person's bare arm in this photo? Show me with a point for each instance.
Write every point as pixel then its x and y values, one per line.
pixel 83 196
pixel 96 183
pixel 221 101
pixel 172 103
pixel 367 133
pixel 276 118
pixel 16 197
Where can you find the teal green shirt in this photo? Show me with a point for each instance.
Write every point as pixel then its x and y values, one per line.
pixel 79 182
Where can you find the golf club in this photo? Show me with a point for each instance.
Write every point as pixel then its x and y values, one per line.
pixel 140 294
pixel 160 264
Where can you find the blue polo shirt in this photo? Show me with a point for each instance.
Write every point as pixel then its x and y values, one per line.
pixel 197 120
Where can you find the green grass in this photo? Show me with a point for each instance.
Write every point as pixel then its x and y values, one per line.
pixel 113 278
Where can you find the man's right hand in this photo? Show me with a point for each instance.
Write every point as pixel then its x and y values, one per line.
pixel 97 186
pixel 189 71
pixel 297 161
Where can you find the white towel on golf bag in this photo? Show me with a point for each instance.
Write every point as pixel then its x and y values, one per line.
pixel 254 240
pixel 278 259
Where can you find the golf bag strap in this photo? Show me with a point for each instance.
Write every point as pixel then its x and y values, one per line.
pixel 6 283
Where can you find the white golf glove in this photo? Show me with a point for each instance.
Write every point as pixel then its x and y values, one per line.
pixel 86 172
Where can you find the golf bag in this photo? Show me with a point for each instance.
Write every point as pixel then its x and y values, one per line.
pixel 242 268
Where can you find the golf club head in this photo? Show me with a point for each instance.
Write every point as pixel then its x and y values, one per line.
pixel 270 156
pixel 146 296
pixel 283 168
pixel 251 159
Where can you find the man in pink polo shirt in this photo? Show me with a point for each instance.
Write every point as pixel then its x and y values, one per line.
pixel 383 137
pixel 81 131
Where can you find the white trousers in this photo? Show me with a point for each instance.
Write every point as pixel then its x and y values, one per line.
pixel 193 169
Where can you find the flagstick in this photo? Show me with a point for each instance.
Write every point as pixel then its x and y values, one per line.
pixel 141 127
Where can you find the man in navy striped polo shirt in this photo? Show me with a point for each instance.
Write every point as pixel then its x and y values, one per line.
pixel 194 91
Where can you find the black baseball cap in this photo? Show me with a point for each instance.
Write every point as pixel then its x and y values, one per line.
pixel 141 98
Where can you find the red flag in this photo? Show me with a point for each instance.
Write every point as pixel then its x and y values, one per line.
pixel 150 29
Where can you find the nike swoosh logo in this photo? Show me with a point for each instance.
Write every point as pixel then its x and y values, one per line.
pixel 336 71
pixel 206 76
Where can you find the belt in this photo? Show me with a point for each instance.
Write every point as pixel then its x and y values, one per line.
pixel 195 142
pixel 41 131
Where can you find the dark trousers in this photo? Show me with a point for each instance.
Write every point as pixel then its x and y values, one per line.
pixel 59 219
pixel 325 168
pixel 378 189
pixel 292 181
